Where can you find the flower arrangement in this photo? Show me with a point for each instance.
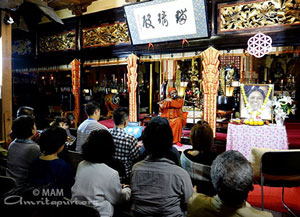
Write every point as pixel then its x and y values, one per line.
pixel 283 106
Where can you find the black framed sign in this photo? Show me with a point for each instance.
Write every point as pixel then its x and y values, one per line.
pixel 167 20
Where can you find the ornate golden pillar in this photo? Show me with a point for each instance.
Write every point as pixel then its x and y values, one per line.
pixel 76 88
pixel 210 76
pixel 132 84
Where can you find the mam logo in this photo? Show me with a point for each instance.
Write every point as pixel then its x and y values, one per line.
pixel 53 192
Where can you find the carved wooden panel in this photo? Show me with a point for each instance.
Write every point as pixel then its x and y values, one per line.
pixel 257 14
pixel 58 42
pixel 105 35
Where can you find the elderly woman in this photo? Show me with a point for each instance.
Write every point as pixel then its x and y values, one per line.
pixel 197 161
pixel 97 183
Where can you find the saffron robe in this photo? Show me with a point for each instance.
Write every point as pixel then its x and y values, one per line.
pixel 173 112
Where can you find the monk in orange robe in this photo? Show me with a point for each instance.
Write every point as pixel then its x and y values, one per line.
pixel 171 108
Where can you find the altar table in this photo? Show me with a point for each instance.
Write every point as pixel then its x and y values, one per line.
pixel 243 137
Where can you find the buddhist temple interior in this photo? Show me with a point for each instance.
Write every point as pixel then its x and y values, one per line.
pixel 230 65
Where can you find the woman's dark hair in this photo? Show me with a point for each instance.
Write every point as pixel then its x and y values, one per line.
pixel 52 139
pixel 98 147
pixel 202 137
pixel 58 120
pixel 22 127
pixel 157 139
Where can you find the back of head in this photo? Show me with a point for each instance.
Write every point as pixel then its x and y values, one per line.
pixel 159 120
pixel 52 139
pixel 202 137
pixel 91 107
pixel 25 110
pixel 98 147
pixel 22 127
pixel 158 139
pixel 232 177
pixel 120 115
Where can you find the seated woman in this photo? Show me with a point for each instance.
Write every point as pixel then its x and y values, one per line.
pixel 48 170
pixel 159 187
pixel 173 154
pixel 96 182
pixel 22 150
pixel 197 161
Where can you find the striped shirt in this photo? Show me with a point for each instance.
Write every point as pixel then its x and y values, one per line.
pixel 84 129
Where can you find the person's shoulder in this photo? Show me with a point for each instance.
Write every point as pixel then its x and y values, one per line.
pixel 248 210
pixel 139 165
pixel 196 198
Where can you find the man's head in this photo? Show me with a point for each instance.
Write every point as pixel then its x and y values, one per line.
pixel 92 109
pixel 232 177
pixel 121 116
pixel 172 92
pixel 158 139
pixel 25 110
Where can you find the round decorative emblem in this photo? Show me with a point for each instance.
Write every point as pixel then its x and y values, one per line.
pixel 115 99
pixel 259 45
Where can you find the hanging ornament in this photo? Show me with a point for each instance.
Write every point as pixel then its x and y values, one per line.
pixel 259 45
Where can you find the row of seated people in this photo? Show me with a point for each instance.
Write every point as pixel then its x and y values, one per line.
pixel 158 187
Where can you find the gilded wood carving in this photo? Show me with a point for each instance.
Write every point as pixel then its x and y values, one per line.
pixel 105 35
pixel 255 14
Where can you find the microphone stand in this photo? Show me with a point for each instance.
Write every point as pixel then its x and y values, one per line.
pixel 194 108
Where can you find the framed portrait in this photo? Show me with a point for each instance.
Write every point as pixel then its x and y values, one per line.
pixel 256 102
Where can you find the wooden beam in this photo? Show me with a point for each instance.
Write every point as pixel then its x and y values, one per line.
pixel 6 88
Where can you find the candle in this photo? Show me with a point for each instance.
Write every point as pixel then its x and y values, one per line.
pixel 281 82
pixel 270 81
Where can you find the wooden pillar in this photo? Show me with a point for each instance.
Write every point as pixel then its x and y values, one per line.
pixel 151 88
pixel 6 79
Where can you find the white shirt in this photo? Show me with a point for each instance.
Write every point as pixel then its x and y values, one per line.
pixel 84 129
pixel 100 185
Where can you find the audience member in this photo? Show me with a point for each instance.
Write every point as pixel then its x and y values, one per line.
pixel 232 177
pixel 159 187
pixel 127 150
pixel 197 161
pixel 64 123
pixel 173 154
pixel 22 150
pixel 92 110
pixel 25 110
pixel 96 182
pixel 48 170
